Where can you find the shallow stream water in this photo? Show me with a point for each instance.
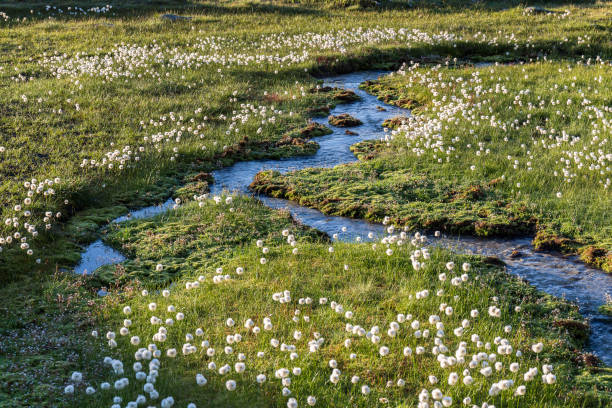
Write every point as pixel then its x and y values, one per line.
pixel 558 275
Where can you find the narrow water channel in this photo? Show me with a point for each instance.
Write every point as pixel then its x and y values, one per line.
pixel 558 275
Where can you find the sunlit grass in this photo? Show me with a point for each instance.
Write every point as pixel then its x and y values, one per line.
pixel 497 150
pixel 374 286
pixel 49 125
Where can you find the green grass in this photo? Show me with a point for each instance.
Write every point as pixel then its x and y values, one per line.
pixel 44 144
pixel 45 322
pixel 606 308
pixel 189 241
pixel 45 315
pixel 376 287
pixel 471 176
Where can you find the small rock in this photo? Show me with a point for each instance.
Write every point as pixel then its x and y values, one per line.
pixel 537 10
pixel 174 17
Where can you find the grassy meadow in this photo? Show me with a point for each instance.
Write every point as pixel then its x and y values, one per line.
pixel 373 285
pixel 493 151
pixel 108 109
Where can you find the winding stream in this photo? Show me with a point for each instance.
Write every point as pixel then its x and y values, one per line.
pixel 560 276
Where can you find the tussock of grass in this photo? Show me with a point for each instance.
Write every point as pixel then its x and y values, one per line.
pixel 475 191
pixel 375 287
pixel 190 240
pixel 45 316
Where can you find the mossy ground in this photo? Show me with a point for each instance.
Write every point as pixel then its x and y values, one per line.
pixel 422 192
pixel 375 287
pixel 343 120
pixel 190 240
pixel 606 309
pixel 371 191
pixel 45 314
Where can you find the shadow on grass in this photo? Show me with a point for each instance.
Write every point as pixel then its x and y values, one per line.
pixel 36 10
pixel 453 6
pixel 142 8
pixel 464 52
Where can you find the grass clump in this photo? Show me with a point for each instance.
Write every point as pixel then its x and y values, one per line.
pixel 84 89
pixel 190 240
pixel 606 308
pixel 489 153
pixel 375 286
pixel 343 120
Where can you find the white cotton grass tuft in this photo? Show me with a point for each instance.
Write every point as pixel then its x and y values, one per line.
pixel 442 331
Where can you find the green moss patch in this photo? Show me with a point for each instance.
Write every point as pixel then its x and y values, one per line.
pixel 191 240
pixel 411 199
pixel 336 94
pixel 343 120
pixel 606 309
pixel 598 257
pixel 394 96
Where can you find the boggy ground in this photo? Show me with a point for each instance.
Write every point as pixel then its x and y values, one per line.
pixel 522 149
pixel 375 285
pixel 82 92
pixel 119 105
